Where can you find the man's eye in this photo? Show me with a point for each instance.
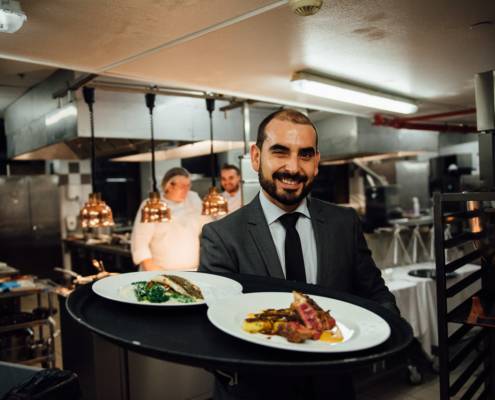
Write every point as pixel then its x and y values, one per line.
pixel 307 156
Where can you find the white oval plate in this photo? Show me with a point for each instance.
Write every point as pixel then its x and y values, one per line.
pixel 119 287
pixel 361 328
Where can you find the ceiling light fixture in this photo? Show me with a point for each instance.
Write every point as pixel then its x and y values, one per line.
pixel 95 213
pixel 214 204
pixel 11 16
pixel 329 88
pixel 154 210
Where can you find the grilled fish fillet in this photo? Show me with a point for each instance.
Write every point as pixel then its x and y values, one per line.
pixel 179 285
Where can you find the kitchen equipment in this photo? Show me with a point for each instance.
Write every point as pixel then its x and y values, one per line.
pixel 382 204
pixel 429 273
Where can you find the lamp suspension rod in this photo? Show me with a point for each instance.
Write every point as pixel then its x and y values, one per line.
pixel 210 106
pixel 150 103
pixel 89 98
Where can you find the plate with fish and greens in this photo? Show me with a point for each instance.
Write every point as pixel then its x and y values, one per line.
pixel 170 288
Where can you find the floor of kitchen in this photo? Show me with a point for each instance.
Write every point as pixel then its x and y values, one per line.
pixel 388 386
pixel 396 386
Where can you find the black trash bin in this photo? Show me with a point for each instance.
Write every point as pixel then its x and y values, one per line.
pixel 44 384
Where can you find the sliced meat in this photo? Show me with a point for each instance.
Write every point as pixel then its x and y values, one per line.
pixel 296 333
pixel 307 312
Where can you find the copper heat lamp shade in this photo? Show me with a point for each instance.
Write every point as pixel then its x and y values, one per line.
pixel 96 213
pixel 214 204
pixel 155 210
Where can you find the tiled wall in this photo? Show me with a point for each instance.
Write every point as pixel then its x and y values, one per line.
pixel 75 187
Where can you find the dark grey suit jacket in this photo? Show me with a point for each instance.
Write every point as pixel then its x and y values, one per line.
pixel 242 243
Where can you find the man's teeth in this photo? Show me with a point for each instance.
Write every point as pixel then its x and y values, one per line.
pixel 289 181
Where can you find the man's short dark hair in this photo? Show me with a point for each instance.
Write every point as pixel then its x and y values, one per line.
pixel 231 166
pixel 287 114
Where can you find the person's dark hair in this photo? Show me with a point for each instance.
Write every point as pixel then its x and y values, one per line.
pixel 231 166
pixel 173 172
pixel 288 114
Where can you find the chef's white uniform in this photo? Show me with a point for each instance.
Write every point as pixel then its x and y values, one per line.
pixel 173 245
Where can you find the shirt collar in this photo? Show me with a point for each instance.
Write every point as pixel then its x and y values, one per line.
pixel 230 196
pixel 273 212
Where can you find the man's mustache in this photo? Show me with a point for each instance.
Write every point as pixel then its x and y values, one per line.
pixel 285 175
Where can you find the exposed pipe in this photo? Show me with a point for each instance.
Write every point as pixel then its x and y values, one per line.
pixel 396 123
pixel 438 115
pixel 111 87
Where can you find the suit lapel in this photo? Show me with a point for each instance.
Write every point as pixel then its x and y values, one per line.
pixel 262 237
pixel 325 242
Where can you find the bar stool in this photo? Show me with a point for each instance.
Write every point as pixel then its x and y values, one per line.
pixel 396 242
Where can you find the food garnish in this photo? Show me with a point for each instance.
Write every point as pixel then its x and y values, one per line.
pixel 163 288
pixel 304 320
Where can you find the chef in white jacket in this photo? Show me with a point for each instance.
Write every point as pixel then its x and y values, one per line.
pixel 171 245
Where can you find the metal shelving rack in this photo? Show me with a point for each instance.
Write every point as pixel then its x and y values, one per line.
pixel 45 343
pixel 469 352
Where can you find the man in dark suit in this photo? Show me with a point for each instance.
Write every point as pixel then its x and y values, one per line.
pixel 284 234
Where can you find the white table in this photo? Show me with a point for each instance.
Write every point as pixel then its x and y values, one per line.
pixel 417 302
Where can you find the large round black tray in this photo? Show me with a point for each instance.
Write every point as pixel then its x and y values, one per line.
pixel 185 335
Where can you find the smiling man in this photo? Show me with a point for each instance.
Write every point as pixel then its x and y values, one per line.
pixel 283 233
pixel 230 179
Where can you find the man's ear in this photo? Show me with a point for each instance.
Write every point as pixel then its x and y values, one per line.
pixel 317 161
pixel 255 157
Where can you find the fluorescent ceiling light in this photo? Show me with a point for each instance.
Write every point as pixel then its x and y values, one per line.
pixel 11 16
pixel 59 114
pixel 185 151
pixel 315 85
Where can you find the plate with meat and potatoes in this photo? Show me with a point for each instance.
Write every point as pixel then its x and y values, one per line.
pixel 296 321
pixel 170 288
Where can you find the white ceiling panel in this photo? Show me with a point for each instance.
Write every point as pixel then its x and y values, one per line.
pixel 422 49
pixel 91 34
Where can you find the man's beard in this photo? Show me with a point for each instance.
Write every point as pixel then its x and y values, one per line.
pixel 287 197
pixel 234 189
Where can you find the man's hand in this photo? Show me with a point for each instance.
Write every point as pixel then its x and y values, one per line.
pixel 149 265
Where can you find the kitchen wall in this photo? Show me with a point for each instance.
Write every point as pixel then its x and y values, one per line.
pixel 74 189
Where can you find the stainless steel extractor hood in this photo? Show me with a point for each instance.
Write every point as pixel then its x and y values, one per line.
pixel 344 137
pixel 39 127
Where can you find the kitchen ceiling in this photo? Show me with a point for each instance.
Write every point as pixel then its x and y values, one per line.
pixel 425 50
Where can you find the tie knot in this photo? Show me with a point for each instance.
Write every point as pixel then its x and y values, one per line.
pixel 289 220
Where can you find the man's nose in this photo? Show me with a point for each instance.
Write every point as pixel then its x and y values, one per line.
pixel 292 164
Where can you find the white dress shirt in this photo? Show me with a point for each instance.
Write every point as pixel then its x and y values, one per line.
pixel 173 245
pixel 233 201
pixel 304 229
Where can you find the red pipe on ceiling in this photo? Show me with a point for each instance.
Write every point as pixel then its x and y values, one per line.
pixel 439 115
pixel 398 123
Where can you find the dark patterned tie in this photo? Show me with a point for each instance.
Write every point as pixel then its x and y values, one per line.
pixel 294 261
